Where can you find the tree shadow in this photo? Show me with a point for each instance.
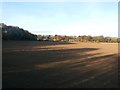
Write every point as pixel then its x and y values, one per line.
pixel 31 43
pixel 47 56
pixel 60 69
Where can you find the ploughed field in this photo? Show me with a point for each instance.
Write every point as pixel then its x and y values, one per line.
pixel 36 64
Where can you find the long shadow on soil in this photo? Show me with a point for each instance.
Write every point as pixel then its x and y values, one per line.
pixel 22 44
pixel 59 68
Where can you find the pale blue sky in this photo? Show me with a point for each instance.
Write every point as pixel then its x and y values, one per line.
pixel 64 18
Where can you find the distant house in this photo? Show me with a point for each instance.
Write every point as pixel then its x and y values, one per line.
pixel 39 37
pixel 71 40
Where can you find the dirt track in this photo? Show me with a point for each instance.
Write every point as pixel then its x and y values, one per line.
pixel 31 64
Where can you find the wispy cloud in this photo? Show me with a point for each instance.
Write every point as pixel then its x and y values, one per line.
pixel 90 18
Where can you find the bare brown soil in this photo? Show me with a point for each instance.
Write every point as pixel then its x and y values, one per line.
pixel 34 64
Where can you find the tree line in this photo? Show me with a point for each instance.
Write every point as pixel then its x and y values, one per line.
pixel 16 33
pixel 82 38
